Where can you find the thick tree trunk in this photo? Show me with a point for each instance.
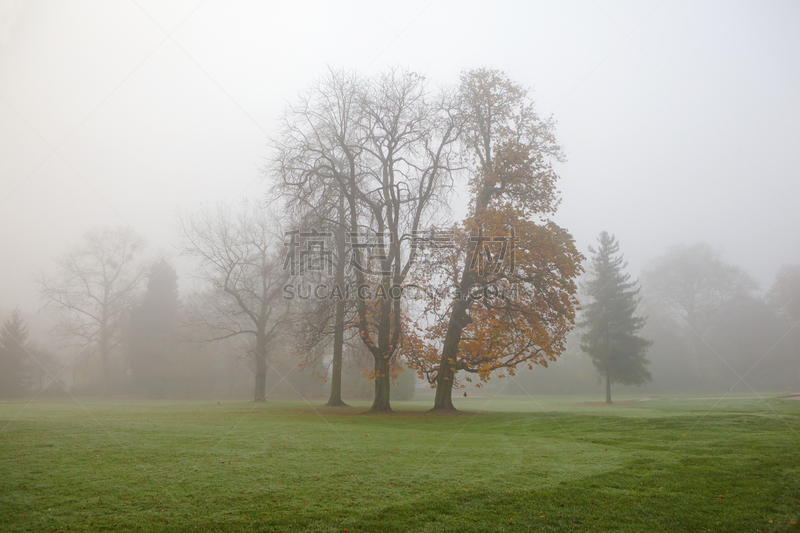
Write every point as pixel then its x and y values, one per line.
pixel 608 387
pixel 444 390
pixel 338 335
pixel 447 372
pixel 383 382
pixel 383 376
pixel 336 367
pixel 444 381
pixel 261 370
pixel 459 318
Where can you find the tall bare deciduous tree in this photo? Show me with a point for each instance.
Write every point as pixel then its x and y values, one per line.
pixel 240 259
pixel 93 290
pixel 387 147
pixel 321 210
pixel 316 138
pixel 327 321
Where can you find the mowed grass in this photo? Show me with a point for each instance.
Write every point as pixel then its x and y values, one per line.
pixel 510 464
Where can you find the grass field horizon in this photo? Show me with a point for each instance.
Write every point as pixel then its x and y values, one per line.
pixel 505 463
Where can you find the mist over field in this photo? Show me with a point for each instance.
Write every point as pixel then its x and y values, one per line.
pixel 579 219
pixel 678 127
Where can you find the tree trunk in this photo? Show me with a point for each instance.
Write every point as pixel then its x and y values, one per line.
pixel 459 318
pixel 608 387
pixel 261 370
pixel 447 372
pixel 383 382
pixel 104 360
pixel 338 335
pixel 444 390
pixel 444 381
pixel 383 376
pixel 75 363
pixel 336 367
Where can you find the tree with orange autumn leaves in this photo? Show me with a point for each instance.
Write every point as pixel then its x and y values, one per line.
pixel 501 291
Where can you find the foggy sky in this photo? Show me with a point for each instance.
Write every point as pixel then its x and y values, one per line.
pixel 681 120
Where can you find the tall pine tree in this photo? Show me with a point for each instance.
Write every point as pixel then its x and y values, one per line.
pixel 611 336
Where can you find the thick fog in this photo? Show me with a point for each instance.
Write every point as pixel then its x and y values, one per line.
pixel 680 120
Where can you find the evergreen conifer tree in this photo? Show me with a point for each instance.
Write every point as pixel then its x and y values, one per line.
pixel 611 326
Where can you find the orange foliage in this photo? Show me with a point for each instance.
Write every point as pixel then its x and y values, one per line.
pixel 519 316
pixel 511 275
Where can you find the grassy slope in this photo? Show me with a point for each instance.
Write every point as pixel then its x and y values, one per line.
pixel 539 465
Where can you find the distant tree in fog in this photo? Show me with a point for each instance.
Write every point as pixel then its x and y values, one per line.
pixel 785 292
pixel 690 292
pixel 784 298
pixel 700 306
pixel 152 333
pixel 24 367
pixel 15 359
pixel 92 292
pixel 692 284
pixel 611 338
pixel 239 255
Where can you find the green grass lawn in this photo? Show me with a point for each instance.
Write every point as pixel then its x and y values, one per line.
pixel 511 464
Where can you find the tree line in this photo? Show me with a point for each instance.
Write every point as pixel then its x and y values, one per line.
pixel 353 252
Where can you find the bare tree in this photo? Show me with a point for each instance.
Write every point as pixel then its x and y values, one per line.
pixel 322 212
pixel 92 292
pixel 327 320
pixel 240 261
pixel 386 146
pixel 316 138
